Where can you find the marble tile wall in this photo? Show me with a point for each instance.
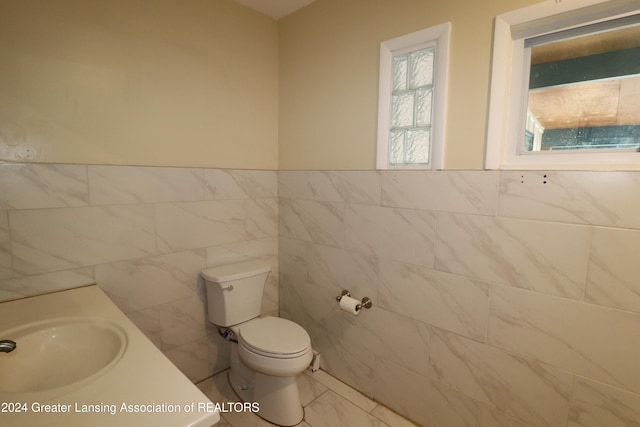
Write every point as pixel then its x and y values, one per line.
pixel 142 234
pixel 500 298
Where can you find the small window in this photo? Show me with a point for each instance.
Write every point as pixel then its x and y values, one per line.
pixel 413 72
pixel 575 84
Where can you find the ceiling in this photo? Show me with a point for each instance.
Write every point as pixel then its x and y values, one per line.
pixel 612 101
pixel 275 8
pixel 584 46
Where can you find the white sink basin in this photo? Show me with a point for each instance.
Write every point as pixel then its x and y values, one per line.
pixel 77 348
pixel 59 353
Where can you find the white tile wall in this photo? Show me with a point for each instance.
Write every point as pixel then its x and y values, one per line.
pixel 116 185
pixel 34 186
pixel 46 240
pixel 589 340
pixel 613 278
pixel 429 403
pixel 149 282
pixel 406 235
pixel 493 418
pixel 502 298
pixel 143 234
pixel 345 186
pixel 523 388
pixel 456 303
pixel 460 191
pixel 226 184
pixel 313 221
pixel 594 404
pixel 596 198
pixel 390 336
pixel 543 256
pixel 184 225
pixel 21 286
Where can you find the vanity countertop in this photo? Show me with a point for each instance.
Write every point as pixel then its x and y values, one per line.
pixel 142 389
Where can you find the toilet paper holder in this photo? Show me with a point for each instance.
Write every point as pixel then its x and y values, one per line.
pixel 366 301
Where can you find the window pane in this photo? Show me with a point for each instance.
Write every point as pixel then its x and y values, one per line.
pixel 402 110
pixel 417 147
pixel 400 73
pixel 584 93
pixel 421 68
pixel 396 147
pixel 423 107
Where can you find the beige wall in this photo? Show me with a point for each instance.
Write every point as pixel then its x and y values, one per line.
pixel 329 77
pixel 215 84
pixel 150 82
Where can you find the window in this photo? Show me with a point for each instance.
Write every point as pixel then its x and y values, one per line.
pixel 412 97
pixel 565 85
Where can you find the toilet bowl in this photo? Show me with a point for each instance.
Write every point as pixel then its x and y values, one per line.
pixel 269 351
pixel 274 346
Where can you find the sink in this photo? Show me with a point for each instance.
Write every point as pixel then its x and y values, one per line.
pixel 58 353
pixel 76 347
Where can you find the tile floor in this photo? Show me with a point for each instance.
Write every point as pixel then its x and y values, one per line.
pixel 327 402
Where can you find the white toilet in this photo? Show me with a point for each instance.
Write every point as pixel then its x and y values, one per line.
pixel 267 353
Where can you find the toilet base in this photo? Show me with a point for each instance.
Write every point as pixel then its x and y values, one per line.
pixel 243 389
pixel 241 378
pixel 277 397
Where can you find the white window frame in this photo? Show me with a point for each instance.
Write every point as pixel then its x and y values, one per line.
pixel 437 36
pixel 509 84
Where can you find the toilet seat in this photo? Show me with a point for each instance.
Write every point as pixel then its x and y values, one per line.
pixel 274 337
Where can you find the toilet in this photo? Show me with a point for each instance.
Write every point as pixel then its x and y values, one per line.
pixel 267 353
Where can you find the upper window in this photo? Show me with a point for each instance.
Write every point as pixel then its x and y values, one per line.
pixel 565 86
pixel 411 113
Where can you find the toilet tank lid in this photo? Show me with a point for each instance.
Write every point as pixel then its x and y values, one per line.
pixel 240 270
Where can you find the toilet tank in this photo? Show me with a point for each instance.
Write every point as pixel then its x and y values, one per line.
pixel 234 291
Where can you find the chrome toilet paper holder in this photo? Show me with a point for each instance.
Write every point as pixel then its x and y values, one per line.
pixel 366 301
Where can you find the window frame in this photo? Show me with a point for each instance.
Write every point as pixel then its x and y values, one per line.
pixel 438 36
pixel 509 84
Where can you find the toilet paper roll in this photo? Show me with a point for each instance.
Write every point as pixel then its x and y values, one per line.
pixel 350 305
